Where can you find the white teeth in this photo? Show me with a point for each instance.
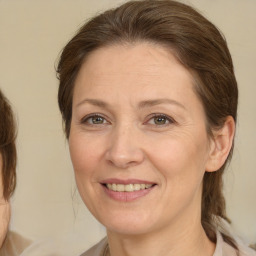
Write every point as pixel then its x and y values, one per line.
pixel 128 187
pixel 120 187
pixel 113 187
pixel 137 187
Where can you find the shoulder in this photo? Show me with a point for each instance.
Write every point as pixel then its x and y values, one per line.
pixel 66 245
pixel 98 249
pixel 224 249
pixel 243 250
pixel 14 244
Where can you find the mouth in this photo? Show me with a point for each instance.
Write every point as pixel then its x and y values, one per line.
pixel 127 187
pixel 127 190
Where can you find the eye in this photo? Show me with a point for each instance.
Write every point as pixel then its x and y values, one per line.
pixel 160 120
pixel 94 120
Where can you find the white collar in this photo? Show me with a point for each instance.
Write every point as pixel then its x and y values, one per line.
pixel 219 245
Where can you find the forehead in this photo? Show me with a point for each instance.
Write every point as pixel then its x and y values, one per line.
pixel 126 56
pixel 140 63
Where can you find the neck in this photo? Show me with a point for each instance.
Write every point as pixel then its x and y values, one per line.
pixel 190 240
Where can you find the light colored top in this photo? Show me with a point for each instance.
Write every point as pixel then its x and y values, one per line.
pixel 222 248
pixel 14 244
pixel 99 249
pixel 73 245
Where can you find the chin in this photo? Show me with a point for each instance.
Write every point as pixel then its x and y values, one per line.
pixel 127 224
pixel 126 230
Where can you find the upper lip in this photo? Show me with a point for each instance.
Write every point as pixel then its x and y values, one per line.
pixel 125 181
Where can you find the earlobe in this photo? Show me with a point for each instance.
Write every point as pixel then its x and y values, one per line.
pixel 221 144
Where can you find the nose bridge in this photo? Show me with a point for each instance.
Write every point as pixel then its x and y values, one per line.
pixel 124 148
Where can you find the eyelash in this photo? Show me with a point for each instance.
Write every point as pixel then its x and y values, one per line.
pixel 167 118
pixel 170 120
pixel 85 119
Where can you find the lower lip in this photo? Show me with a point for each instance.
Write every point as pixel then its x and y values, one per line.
pixel 127 196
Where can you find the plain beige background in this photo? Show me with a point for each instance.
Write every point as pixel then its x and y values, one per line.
pixel 32 33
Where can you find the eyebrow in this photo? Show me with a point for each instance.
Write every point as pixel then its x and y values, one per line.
pixel 151 103
pixel 94 102
pixel 142 104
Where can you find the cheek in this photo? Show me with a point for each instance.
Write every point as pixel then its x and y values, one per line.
pixel 84 157
pixel 180 159
pixel 85 154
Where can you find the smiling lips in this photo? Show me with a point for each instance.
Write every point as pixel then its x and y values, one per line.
pixel 128 187
pixel 127 190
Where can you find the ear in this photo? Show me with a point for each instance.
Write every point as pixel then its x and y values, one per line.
pixel 220 146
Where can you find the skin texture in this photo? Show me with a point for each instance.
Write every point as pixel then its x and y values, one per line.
pixel 4 209
pixel 127 86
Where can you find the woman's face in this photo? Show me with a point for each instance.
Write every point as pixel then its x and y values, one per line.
pixel 4 208
pixel 138 139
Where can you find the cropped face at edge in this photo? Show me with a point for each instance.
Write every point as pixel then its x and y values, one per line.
pixel 138 139
pixel 4 209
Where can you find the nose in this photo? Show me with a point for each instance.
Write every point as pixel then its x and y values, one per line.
pixel 124 148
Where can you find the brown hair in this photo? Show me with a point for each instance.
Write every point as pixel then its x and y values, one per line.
pixel 197 44
pixel 7 147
